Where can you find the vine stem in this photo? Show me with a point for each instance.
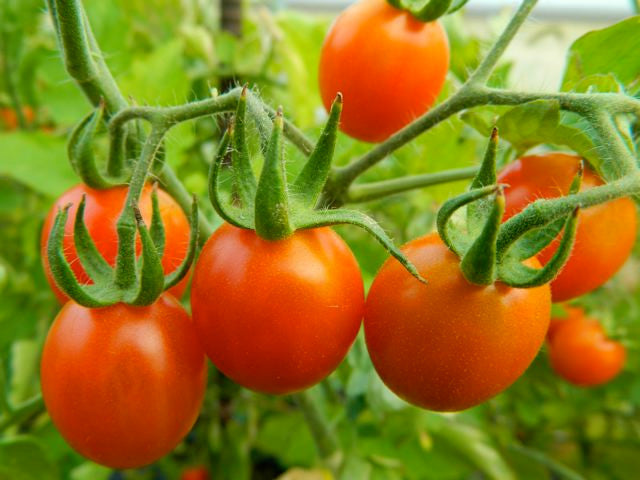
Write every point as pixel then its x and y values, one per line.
pixel 374 190
pixel 323 437
pixel 484 70
pixel 23 412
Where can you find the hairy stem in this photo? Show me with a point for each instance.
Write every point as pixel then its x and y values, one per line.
pixel 371 191
pixel 75 38
pixel 484 70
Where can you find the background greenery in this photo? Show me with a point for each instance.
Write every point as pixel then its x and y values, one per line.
pixel 165 52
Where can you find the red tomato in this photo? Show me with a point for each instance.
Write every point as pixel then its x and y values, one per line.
pixel 123 384
pixel 581 353
pixel 276 317
pixel 196 473
pixel 606 233
pixel 389 66
pixel 449 345
pixel 102 210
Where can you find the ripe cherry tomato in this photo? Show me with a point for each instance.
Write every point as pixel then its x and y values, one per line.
pixel 389 66
pixel 277 317
pixel 195 473
pixel 102 210
pixel 606 233
pixel 123 384
pixel 9 119
pixel 449 345
pixel 581 353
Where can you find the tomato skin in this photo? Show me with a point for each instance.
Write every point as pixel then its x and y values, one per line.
pixel 606 233
pixel 195 473
pixel 123 384
pixel 450 345
pixel 103 207
pixel 581 353
pixel 389 67
pixel 277 317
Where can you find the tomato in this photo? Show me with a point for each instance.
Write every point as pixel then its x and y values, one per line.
pixel 449 345
pixel 195 473
pixel 606 233
pixel 9 119
pixel 123 384
pixel 389 67
pixel 103 207
pixel 581 353
pixel 277 317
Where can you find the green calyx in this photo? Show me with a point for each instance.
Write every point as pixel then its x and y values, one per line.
pixel 429 10
pixel 132 281
pixel 471 226
pixel 271 206
pixel 80 150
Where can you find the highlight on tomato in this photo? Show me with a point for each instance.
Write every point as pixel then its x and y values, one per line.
pixel 103 207
pixel 123 384
pixel 580 351
pixel 606 232
pixel 389 66
pixel 450 345
pixel 276 316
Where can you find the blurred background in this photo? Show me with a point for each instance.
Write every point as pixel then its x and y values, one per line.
pixel 165 52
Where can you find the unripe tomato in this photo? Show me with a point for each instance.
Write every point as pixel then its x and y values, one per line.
pixel 449 345
pixel 103 207
pixel 123 384
pixel 389 67
pixel 606 232
pixel 276 317
pixel 581 353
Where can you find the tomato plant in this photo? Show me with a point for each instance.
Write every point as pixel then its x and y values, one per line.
pixel 450 345
pixel 606 232
pixel 123 384
pixel 389 66
pixel 581 353
pixel 276 317
pixel 102 210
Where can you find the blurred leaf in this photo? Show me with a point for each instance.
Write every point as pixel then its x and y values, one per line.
pixel 612 50
pixel 158 78
pixel 37 160
pixel 22 458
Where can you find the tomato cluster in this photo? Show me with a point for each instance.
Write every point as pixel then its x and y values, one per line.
pixel 279 316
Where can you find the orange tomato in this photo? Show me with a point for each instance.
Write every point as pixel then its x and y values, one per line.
pixel 581 353
pixel 276 317
pixel 606 232
pixel 102 210
pixel 389 67
pixel 449 345
pixel 123 384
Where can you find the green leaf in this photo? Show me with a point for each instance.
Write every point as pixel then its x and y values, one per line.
pixel 37 160
pixel 159 78
pixel 22 458
pixel 539 122
pixel 612 50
